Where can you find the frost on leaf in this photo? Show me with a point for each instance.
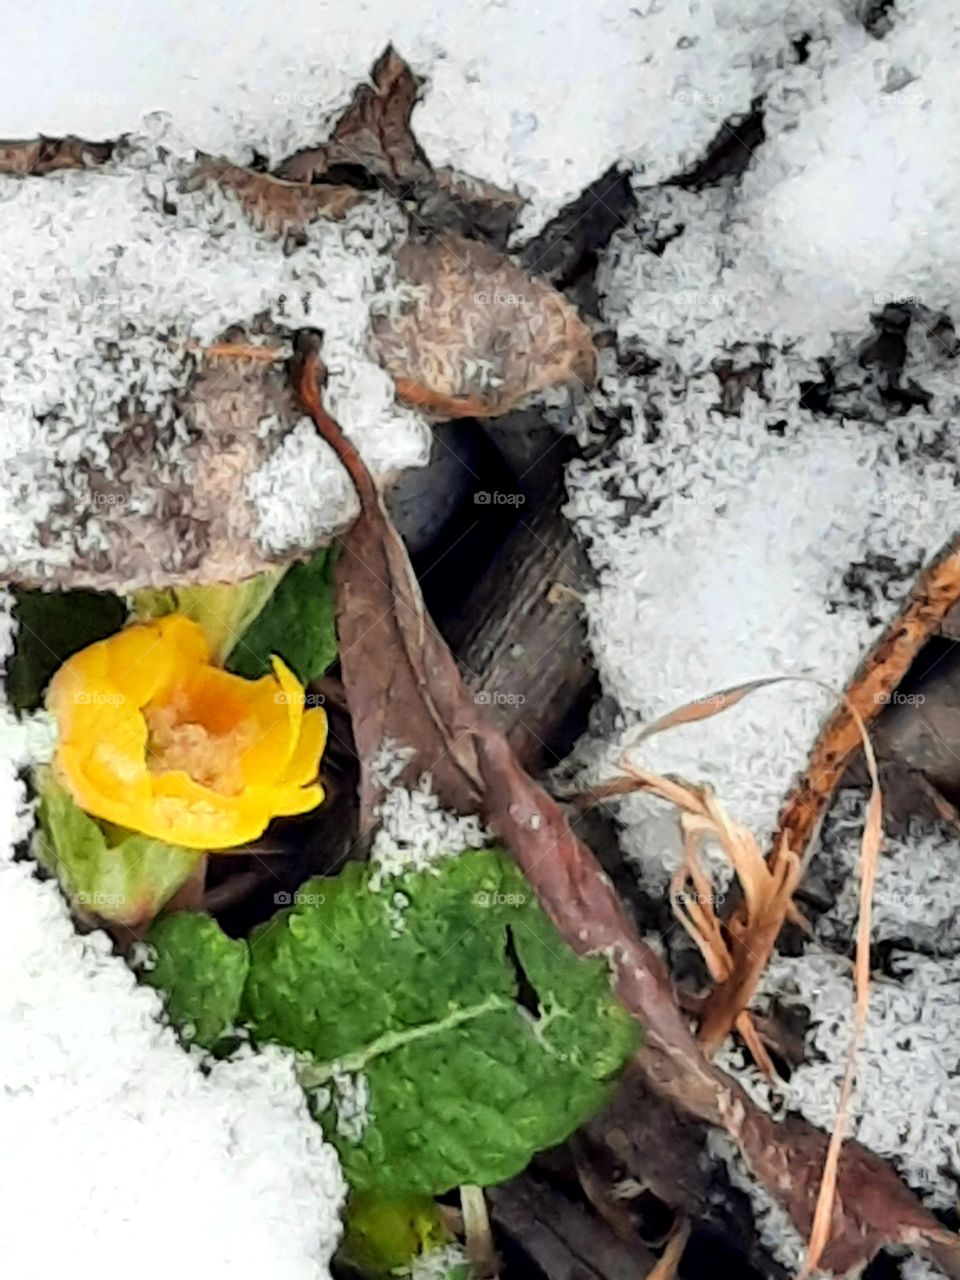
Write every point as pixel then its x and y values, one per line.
pixel 273 205
pixel 446 351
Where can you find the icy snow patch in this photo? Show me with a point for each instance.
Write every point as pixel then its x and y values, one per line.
pixel 853 198
pixel 768 542
pixel 545 99
pixel 114 278
pixel 415 833
pixel 907 1102
pixel 111 1130
pixel 917 895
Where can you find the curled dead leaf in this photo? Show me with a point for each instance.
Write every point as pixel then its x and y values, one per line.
pixel 35 157
pixel 373 134
pixel 478 335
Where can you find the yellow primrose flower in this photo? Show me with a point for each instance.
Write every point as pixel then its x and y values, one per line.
pixel 152 736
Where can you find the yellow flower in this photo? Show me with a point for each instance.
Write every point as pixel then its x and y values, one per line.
pixel 155 738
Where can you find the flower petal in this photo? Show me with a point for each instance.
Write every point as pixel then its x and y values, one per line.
pixel 305 762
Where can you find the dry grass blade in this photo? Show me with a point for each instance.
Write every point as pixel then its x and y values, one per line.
pixel 478 1237
pixel 669 1260
pixel 737 950
pixel 869 858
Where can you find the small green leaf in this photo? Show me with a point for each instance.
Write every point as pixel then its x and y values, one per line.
pixel 53 625
pixel 224 610
pixel 298 624
pixel 201 973
pixel 108 872
pixel 382 1235
pixel 416 987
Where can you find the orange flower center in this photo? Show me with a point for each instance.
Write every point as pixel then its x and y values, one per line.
pixel 178 738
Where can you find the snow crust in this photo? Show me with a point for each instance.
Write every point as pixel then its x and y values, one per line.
pixel 543 98
pixel 853 198
pixel 115 278
pixel 907 1103
pixel 117 1145
pixel 415 833
pixel 768 542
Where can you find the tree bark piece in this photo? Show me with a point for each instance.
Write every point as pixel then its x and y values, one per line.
pixel 565 1241
pixel 521 637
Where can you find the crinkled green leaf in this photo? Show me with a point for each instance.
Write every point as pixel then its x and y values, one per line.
pixel 201 972
pixel 118 875
pixel 223 609
pixel 381 1235
pixel 297 624
pixel 417 987
pixel 53 625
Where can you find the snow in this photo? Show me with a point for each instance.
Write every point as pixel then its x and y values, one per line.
pixel 111 295
pixel 853 198
pixel 415 833
pixel 774 540
pixel 907 1100
pixel 770 542
pixel 116 1142
pixel 917 894
pixel 542 97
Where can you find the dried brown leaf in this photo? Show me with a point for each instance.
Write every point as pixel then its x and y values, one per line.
pixel 478 335
pixel 192 522
pixel 35 157
pixel 401 681
pixel 374 132
pixel 272 204
pixel 473 768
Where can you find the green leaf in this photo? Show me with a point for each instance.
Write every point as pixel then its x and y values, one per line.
pixel 201 973
pixel 224 610
pixel 416 986
pixel 382 1235
pixel 297 624
pixel 53 626
pixel 108 872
